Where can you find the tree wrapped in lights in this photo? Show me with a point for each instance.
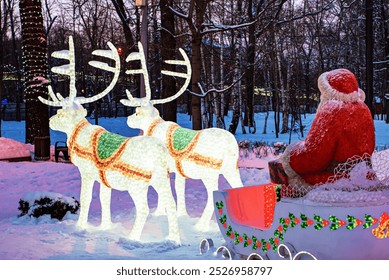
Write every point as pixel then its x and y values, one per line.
pixel 203 154
pixel 116 162
pixel 34 50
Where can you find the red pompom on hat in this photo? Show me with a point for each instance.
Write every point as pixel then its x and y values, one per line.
pixel 340 84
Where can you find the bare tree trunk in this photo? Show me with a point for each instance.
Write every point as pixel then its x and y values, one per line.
pixel 237 97
pixel 1 65
pixel 212 97
pixel 199 9
pixel 206 112
pixel 369 55
pixel 19 88
pixel 196 77
pixel 267 79
pixel 168 51
pixel 35 70
pixel 236 103
pixel 219 98
pixel 249 73
pixel 275 87
pixel 284 96
pixel 128 35
pixel 385 19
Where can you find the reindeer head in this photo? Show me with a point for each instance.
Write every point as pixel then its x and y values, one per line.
pixel 67 117
pixel 145 112
pixel 72 111
pixel 143 116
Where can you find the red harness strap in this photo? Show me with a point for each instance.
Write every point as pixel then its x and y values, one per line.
pixel 110 163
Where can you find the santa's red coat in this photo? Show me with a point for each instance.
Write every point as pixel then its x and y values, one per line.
pixel 339 131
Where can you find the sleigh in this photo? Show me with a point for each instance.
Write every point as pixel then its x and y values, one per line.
pixel 257 222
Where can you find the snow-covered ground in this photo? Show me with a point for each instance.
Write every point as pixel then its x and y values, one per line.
pixel 45 238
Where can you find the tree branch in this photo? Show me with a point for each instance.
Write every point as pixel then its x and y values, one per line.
pixel 205 93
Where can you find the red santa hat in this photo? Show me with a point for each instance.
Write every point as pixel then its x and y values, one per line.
pixel 340 84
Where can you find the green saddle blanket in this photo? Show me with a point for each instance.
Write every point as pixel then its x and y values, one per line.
pixel 182 137
pixel 108 143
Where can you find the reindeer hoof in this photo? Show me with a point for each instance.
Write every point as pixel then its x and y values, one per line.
pixel 82 225
pixel 174 238
pixel 134 237
pixel 106 226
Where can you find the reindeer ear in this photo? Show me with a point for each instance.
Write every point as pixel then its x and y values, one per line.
pixel 85 112
pixel 155 112
pixel 78 113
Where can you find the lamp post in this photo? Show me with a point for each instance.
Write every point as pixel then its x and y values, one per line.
pixel 143 38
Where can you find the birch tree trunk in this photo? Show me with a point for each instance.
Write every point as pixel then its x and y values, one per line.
pixel 284 95
pixel 237 98
pixel 275 87
pixel 219 98
pixel 206 101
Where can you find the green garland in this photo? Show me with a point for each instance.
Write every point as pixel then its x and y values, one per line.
pixel 287 223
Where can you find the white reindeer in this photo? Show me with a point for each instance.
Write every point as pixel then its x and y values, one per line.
pixel 117 162
pixel 203 154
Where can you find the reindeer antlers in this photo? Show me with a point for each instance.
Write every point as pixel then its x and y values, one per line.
pixel 139 56
pixel 69 70
pixel 135 102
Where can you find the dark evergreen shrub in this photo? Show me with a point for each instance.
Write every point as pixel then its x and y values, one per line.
pixel 55 206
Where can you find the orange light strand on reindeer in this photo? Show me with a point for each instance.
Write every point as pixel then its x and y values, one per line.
pixel 204 154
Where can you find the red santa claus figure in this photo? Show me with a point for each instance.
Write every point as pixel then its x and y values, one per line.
pixel 343 127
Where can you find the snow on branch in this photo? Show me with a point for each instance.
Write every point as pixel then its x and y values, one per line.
pixel 205 93
pixel 179 14
pixel 220 27
pixel 381 62
pixel 174 35
pixel 324 8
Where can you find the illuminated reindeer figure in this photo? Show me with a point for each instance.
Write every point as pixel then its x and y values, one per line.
pixel 203 154
pixel 117 162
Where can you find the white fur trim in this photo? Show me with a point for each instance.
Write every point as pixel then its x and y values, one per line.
pixel 294 179
pixel 329 93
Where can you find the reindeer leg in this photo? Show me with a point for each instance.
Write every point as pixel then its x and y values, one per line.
pixel 85 199
pixel 232 176
pixel 139 196
pixel 161 206
pixel 211 184
pixel 166 197
pixel 105 201
pixel 180 191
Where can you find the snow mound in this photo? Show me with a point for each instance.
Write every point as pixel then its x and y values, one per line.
pixel 33 196
pixel 10 148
